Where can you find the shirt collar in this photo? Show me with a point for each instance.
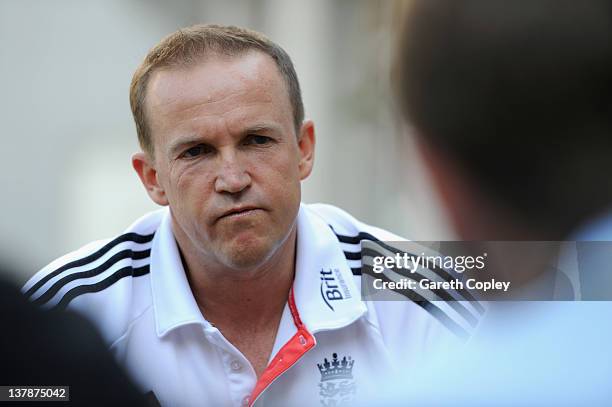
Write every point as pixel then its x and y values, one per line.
pixel 325 291
pixel 173 300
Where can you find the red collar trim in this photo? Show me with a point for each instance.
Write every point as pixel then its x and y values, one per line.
pixel 288 355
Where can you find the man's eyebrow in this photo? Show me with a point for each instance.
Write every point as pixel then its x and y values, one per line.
pixel 180 143
pixel 261 128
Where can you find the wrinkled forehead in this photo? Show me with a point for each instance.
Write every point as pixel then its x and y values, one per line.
pixel 216 85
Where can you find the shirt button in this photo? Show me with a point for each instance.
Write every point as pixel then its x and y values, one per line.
pixel 236 366
pixel 245 400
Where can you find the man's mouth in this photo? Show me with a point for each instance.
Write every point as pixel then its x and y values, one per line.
pixel 239 212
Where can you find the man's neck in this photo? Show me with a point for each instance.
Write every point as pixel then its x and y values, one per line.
pixel 246 305
pixel 247 298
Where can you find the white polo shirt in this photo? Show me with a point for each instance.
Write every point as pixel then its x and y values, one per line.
pixel 331 347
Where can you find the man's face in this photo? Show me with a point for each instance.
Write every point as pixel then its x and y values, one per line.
pixel 226 157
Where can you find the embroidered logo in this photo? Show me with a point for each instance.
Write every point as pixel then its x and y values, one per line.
pixel 333 287
pixel 337 387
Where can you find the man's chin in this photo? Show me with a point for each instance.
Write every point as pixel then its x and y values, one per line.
pixel 246 257
pixel 251 250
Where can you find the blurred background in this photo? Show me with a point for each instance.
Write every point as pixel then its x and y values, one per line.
pixel 68 134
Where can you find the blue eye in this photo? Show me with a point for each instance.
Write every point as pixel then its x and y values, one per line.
pixel 257 139
pixel 195 151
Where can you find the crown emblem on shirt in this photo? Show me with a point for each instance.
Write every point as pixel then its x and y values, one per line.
pixel 337 369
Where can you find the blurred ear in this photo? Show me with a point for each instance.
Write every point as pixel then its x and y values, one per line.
pixel 306 144
pixel 145 168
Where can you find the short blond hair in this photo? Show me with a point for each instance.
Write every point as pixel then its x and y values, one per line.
pixel 187 46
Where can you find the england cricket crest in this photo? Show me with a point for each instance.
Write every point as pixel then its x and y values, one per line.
pixel 337 387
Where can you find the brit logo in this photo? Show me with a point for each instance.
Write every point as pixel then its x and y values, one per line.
pixel 333 287
pixel 337 387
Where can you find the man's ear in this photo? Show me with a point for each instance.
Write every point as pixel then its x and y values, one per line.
pixel 306 144
pixel 145 168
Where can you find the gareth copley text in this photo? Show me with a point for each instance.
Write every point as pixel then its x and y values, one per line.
pixel 412 263
pixel 425 284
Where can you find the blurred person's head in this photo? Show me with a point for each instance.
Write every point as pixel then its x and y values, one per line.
pixel 220 121
pixel 512 108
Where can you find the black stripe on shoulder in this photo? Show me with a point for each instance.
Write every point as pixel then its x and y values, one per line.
pixel 355 239
pixel 439 271
pixel 57 286
pixel 101 285
pixel 352 255
pixel 413 275
pixel 132 237
pixel 444 319
pixel 435 312
pixel 453 302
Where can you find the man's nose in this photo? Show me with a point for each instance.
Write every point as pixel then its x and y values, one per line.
pixel 232 176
